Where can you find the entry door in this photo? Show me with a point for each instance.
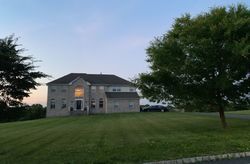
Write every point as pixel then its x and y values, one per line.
pixel 78 104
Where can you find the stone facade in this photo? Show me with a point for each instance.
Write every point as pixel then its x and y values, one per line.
pixel 122 105
pixel 82 97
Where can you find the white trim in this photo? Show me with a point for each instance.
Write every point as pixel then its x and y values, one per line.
pixel 82 107
pixel 74 80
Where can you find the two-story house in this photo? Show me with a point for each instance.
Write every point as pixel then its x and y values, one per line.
pixel 79 93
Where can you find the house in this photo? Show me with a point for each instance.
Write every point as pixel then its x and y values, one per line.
pixel 81 93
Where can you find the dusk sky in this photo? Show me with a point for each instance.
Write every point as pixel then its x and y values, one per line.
pixel 108 36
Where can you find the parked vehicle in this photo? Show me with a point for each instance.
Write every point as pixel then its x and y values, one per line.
pixel 156 108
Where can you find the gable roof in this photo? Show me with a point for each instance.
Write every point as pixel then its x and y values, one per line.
pixel 98 79
pixel 122 95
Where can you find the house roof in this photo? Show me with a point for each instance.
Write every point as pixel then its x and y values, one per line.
pixel 104 79
pixel 122 95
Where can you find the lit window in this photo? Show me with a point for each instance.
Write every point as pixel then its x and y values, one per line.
pixel 64 103
pixel 92 103
pixel 79 91
pixel 116 104
pixel 101 103
pixel 52 104
pixel 131 105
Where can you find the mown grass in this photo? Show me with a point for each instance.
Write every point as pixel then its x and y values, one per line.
pixel 244 112
pixel 120 138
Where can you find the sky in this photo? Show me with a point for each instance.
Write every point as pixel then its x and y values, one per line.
pixel 92 36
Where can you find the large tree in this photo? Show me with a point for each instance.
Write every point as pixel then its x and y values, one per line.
pixel 202 62
pixel 17 73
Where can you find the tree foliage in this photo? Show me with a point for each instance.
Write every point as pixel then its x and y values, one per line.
pixel 202 62
pixel 24 112
pixel 17 73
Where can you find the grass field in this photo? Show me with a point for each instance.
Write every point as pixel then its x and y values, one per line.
pixel 120 138
pixel 245 112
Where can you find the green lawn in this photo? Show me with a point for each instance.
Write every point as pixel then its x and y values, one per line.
pixel 120 138
pixel 245 112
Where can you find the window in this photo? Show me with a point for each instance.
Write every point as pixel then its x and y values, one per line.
pixel 87 105
pixel 131 89
pixel 53 90
pixel 92 103
pixel 116 89
pixel 93 88
pixel 101 103
pixel 63 90
pixel 79 91
pixel 101 87
pixel 64 105
pixel 52 104
pixel 131 105
pixel 116 105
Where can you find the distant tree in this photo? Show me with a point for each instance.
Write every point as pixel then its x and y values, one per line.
pixel 36 107
pixel 17 73
pixel 202 62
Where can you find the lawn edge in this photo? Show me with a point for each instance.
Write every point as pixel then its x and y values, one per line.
pixel 203 158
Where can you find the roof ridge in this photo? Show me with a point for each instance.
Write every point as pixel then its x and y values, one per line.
pixel 92 78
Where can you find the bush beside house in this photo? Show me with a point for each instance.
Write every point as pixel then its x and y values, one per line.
pixel 35 111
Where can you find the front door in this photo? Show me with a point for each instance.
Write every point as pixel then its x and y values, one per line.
pixel 78 104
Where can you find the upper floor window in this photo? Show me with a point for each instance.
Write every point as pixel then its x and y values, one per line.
pixel 63 90
pixel 64 105
pixel 52 104
pixel 131 90
pixel 93 88
pixel 101 87
pixel 101 103
pixel 53 90
pixel 92 103
pixel 116 89
pixel 79 91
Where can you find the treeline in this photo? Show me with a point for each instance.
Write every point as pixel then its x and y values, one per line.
pixel 35 111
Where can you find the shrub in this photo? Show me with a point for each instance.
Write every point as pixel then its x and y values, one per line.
pixel 34 111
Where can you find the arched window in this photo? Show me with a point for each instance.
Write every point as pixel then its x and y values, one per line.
pixel 101 103
pixel 79 91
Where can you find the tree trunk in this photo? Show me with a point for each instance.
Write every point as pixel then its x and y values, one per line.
pixel 222 116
